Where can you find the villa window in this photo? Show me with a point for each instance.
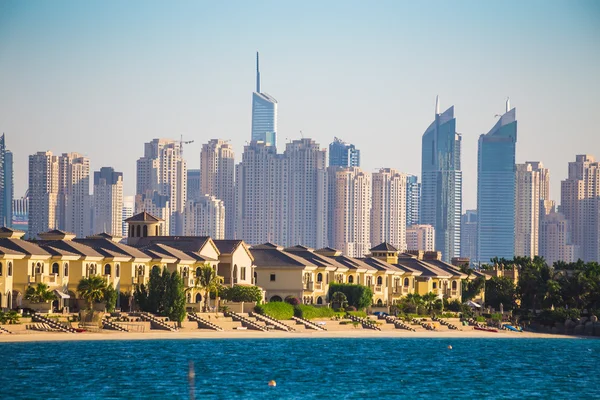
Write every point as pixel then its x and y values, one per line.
pixel 243 273
pixel 434 285
pixel 0 269
pixel 156 230
pixel 351 279
pixel 55 268
pixel 9 272
pixel 145 230
pixel 38 268
pixel 272 278
pixel 379 280
pixel 198 272
pixel 139 231
pixel 117 270
pixel 66 269
pixel 107 269
pixel 453 285
pixel 406 282
pixel 319 277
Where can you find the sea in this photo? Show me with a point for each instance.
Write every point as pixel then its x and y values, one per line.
pixel 378 368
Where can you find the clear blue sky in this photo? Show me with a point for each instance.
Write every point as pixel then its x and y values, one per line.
pixel 103 77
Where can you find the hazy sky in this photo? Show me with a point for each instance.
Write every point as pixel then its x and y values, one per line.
pixel 103 77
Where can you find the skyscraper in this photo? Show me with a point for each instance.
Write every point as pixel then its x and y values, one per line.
pixel 264 113
pixel 193 184
pixel 217 169
pixel 413 200
pixel 163 170
pixel 496 189
pixel 74 200
pixel 532 188
pixel 420 237
pixel 6 184
pixel 468 235
pixel 43 193
pixel 580 204
pixel 128 209
pixel 20 211
pixel 441 182
pixel 388 212
pixel 342 154
pixel 108 201
pixel 205 217
pixel 307 193
pixel 555 238
pixel 349 207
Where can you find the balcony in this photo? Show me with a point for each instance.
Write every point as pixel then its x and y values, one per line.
pixel 309 286
pixel 318 285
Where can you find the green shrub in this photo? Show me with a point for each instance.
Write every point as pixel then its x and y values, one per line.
pixel 453 305
pixel 239 294
pixel 311 312
pixel 360 314
pixel 560 315
pixel 480 318
pixel 358 296
pixel 496 317
pixel 276 309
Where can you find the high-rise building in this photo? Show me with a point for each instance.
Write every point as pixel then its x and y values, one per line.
pixel 388 213
pixel 163 170
pixel 532 188
pixel 128 209
pixel 217 169
pixel 6 184
pixel 468 235
pixel 43 193
pixel 420 237
pixel 193 185
pixel 342 154
pixel 580 194
pixel 496 189
pixel 413 200
pixel 349 209
pixel 20 213
pixel 264 114
pixel 441 182
pixel 555 238
pixel 108 201
pixel 307 193
pixel 261 195
pixel 74 200
pixel 205 217
pixel 155 204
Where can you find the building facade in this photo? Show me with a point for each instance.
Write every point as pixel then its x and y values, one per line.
pixel 43 193
pixel 217 170
pixel 164 171
pixel 441 180
pixel 264 114
pixel 496 189
pixel 74 200
pixel 555 239
pixel 20 214
pixel 468 235
pixel 108 201
pixel 205 217
pixel 342 154
pixel 128 210
pixel 193 184
pixel 388 212
pixel 6 184
pixel 413 200
pixel 420 238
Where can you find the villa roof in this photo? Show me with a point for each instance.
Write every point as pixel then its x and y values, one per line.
pixel 298 247
pixel 451 269
pixel 59 232
pixel 183 243
pixel 143 217
pixel 273 257
pixel 267 245
pixel 384 247
pixel 10 252
pixel 70 247
pixel 227 246
pixel 380 265
pixel 427 270
pixel 59 252
pixel 314 258
pixel 23 246
pixel 352 263
pixel 171 252
pixel 112 247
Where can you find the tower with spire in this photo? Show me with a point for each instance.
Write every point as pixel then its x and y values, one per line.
pixel 264 113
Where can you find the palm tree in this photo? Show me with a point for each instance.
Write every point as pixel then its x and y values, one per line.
pixel 209 281
pixel 339 299
pixel 92 289
pixel 429 299
pixel 39 294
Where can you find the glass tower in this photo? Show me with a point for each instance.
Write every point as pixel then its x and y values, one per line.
pixel 413 199
pixel 264 114
pixel 6 184
pixel 441 182
pixel 342 154
pixel 496 189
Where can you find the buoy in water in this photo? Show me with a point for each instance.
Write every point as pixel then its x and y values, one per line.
pixel 449 347
pixel 272 383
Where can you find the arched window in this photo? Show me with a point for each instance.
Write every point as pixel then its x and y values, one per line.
pixel 130 232
pixel 38 268
pixel 139 231
pixel 351 279
pixel 198 297
pixel 379 280
pixel 9 273
pixel 145 230
pixel 117 270
pixel 156 230
pixel 379 303
pixel 319 277
pixel 66 269
pixel 0 269
pixel 235 274
pixel 319 300
pixel 55 268
pixel 107 269
pixel 276 298
pixel 198 272
pixel 405 282
pixel 453 285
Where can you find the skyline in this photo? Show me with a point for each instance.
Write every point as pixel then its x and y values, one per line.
pixel 73 68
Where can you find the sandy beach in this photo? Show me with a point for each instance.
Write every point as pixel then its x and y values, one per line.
pixel 248 334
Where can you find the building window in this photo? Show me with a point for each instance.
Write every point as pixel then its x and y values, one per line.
pixel 66 269
pixel 272 278
pixel 55 268
pixel 117 270
pixel 351 279
pixel 243 273
pixel 406 282
pixel 319 277
pixel 9 273
pixel 434 285
pixel 107 269
pixel 0 269
pixel 145 230
pixel 453 285
pixel 379 280
pixel 139 231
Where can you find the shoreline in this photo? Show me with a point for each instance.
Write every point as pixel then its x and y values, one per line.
pixel 209 335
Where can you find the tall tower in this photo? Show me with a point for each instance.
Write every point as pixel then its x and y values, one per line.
pixel 468 235
pixel 163 170
pixel 43 193
pixel 532 188
pixel 74 200
pixel 217 169
pixel 441 182
pixel 108 201
pixel 342 154
pixel 264 114
pixel 388 214
pixel 6 184
pixel 307 193
pixel 413 200
pixel 496 189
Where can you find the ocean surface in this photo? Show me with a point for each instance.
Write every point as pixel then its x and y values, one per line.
pixel 386 368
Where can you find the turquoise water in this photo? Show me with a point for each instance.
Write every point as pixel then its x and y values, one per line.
pixel 303 368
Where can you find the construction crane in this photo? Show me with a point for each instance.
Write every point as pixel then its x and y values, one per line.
pixel 181 143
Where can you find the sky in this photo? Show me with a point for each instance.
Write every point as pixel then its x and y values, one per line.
pixel 103 77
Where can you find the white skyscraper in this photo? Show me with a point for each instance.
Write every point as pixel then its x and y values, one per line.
pixel 74 200
pixel 157 205
pixel 163 170
pixel 420 237
pixel 108 201
pixel 128 209
pixel 349 206
pixel 43 193
pixel 205 217
pixel 528 198
pixel 217 169
pixel 388 215
pixel 555 239
pixel 307 194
